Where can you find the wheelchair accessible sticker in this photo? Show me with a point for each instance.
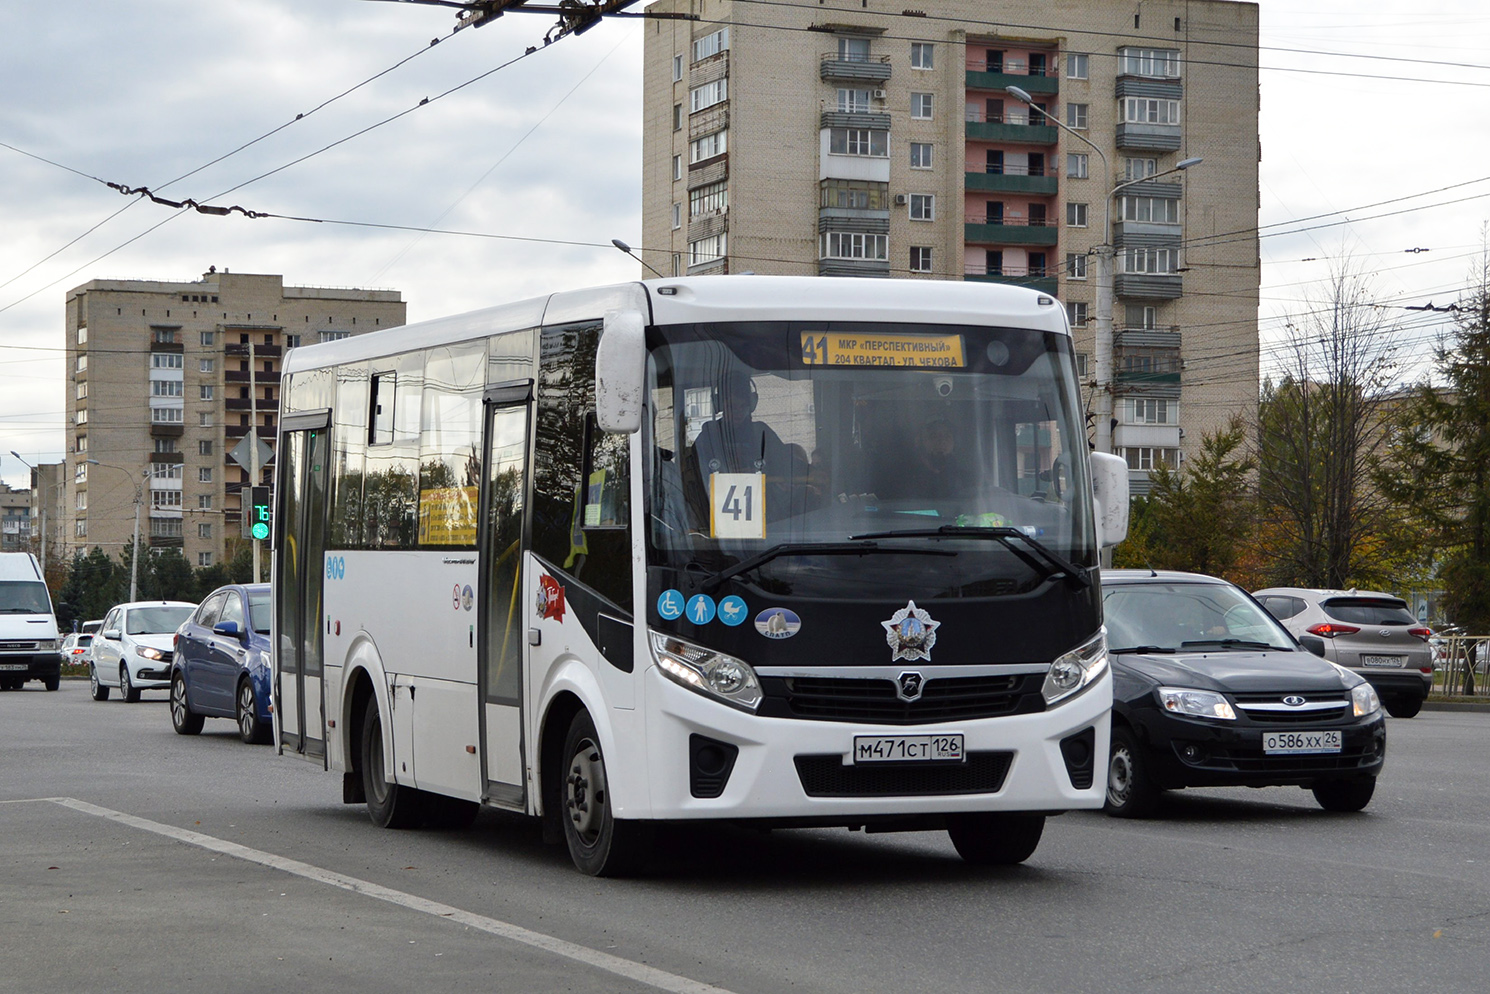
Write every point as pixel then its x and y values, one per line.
pixel 670 604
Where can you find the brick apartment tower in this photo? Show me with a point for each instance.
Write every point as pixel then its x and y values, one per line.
pixel 158 390
pixel 857 138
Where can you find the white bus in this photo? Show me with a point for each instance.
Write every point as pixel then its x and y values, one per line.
pixel 781 551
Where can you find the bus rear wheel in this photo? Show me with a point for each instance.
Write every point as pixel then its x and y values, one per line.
pixel 599 844
pixel 995 839
pixel 390 805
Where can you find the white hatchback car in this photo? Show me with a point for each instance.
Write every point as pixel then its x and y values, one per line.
pixel 132 651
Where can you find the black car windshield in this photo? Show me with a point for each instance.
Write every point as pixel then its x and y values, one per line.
pixel 156 620
pixel 1160 615
pixel 798 434
pixel 24 597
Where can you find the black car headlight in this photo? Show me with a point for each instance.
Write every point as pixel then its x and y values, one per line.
pixel 1196 703
pixel 1364 700
pixel 713 674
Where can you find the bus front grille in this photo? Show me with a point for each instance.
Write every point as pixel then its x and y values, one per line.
pixel 873 700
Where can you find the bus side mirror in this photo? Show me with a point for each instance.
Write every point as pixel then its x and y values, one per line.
pixel 620 372
pixel 1110 498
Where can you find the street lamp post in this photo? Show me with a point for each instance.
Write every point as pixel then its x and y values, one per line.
pixel 1102 344
pixel 134 558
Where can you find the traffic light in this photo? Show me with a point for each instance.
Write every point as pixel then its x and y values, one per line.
pixel 259 513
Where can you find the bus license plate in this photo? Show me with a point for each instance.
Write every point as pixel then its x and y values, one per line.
pixel 908 749
pixel 1300 743
pixel 1382 660
pixel 8 667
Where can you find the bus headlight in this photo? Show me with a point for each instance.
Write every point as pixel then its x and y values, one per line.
pixel 1076 670
pixel 710 673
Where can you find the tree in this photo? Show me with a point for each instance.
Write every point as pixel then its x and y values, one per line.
pixel 1317 429
pixel 1438 463
pixel 1198 518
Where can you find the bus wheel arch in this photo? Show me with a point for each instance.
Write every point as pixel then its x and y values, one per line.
pixel 556 722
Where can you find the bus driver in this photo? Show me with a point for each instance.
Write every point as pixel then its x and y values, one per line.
pixel 734 442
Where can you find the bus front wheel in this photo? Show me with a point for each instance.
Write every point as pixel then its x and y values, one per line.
pixel 390 805
pixel 599 844
pixel 995 839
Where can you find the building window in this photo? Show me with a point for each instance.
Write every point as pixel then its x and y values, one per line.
pixel 165 360
pixel 1076 165
pixel 1158 210
pixel 1153 261
pixel 677 168
pixel 204 559
pixel 80 472
pixel 166 415
pixel 1076 65
pixel 82 443
pixel 206 390
pixel 325 336
pixel 1146 458
pixel 204 419
pixel 706 250
pixel 1076 265
pixel 165 445
pixel 1076 314
pixel 81 390
pixel 80 529
pixel 921 106
pixel 82 334
pixel 204 529
pixel 1081 360
pixel 206 365
pixel 920 155
pixel 710 199
pixel 82 417
pixel 923 55
pixel 677 68
pixel 163 336
pixel 920 258
pixel 853 49
pixel 677 216
pixel 82 501
pixel 677 117
pixel 923 207
pixel 1075 215
pixel 677 263
pixel 163 500
pixel 1151 411
pixel 209 337
pixel 859 141
pixel 167 388
pixel 853 245
pixel 165 527
pixel 166 471
pixel 204 501
pixel 854 101
pixel 204 447
pixel 204 474
pixel 708 146
pixel 1076 116
pixel 82 364
pixel 1143 110
pixel 1142 316
pixel 710 44
pixel 703 97
pixel 1136 168
pixel 1163 63
pixel 852 194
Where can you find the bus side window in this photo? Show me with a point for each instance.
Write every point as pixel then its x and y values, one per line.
pixel 348 455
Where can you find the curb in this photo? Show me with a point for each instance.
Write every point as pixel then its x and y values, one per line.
pixel 1462 706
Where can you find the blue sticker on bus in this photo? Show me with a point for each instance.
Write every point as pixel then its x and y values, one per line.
pixel 701 609
pixel 670 604
pixel 778 623
pixel 732 610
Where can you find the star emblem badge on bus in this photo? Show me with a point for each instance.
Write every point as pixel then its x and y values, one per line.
pixel 910 633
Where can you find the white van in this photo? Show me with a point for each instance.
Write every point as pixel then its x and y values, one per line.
pixel 28 628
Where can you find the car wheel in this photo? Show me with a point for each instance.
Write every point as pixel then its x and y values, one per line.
pixel 100 691
pixel 390 805
pixel 52 683
pixel 599 844
pixel 995 839
pixel 1130 791
pixel 250 729
pixel 1345 795
pixel 182 718
pixel 128 692
pixel 1402 707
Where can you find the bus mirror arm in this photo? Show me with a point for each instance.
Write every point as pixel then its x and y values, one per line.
pixel 1110 498
pixel 620 372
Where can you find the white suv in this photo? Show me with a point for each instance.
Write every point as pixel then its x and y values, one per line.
pixel 132 651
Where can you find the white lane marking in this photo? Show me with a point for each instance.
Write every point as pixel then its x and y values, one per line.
pixel 651 976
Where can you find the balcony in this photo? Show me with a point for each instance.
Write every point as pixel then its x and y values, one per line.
pixel 1010 128
pixel 241 376
pixel 266 432
pixel 1011 182
pixel 260 351
pixel 1013 276
pixel 837 66
pixel 981 76
pixel 1152 286
pixel 981 229
pixel 1152 137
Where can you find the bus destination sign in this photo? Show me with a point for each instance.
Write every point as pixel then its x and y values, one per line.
pixel 833 348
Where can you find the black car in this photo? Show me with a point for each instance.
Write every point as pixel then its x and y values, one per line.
pixel 1210 691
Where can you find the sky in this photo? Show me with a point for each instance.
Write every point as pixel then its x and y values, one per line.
pixel 1365 102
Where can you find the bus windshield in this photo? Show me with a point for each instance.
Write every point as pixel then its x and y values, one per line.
pixel 770 441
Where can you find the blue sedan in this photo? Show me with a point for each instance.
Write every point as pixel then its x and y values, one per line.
pixel 221 666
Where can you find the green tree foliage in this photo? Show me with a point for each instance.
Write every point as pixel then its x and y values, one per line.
pixel 1199 518
pixel 93 585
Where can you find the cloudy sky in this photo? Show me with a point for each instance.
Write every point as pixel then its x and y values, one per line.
pixel 1364 102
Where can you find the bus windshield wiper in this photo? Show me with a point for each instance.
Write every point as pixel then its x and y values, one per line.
pixel 850 548
pixel 1230 644
pixel 1054 564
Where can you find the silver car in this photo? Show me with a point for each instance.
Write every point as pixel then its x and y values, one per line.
pixel 1372 633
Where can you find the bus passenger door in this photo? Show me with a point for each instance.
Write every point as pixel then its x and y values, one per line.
pixel 300 558
pixel 503 640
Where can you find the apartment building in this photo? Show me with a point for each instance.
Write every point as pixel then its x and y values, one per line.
pixel 15 519
pixel 859 138
pixel 165 381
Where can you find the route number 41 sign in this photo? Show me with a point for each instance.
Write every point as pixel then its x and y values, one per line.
pixel 737 505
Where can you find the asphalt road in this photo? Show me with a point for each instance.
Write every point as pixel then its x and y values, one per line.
pixel 132 859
